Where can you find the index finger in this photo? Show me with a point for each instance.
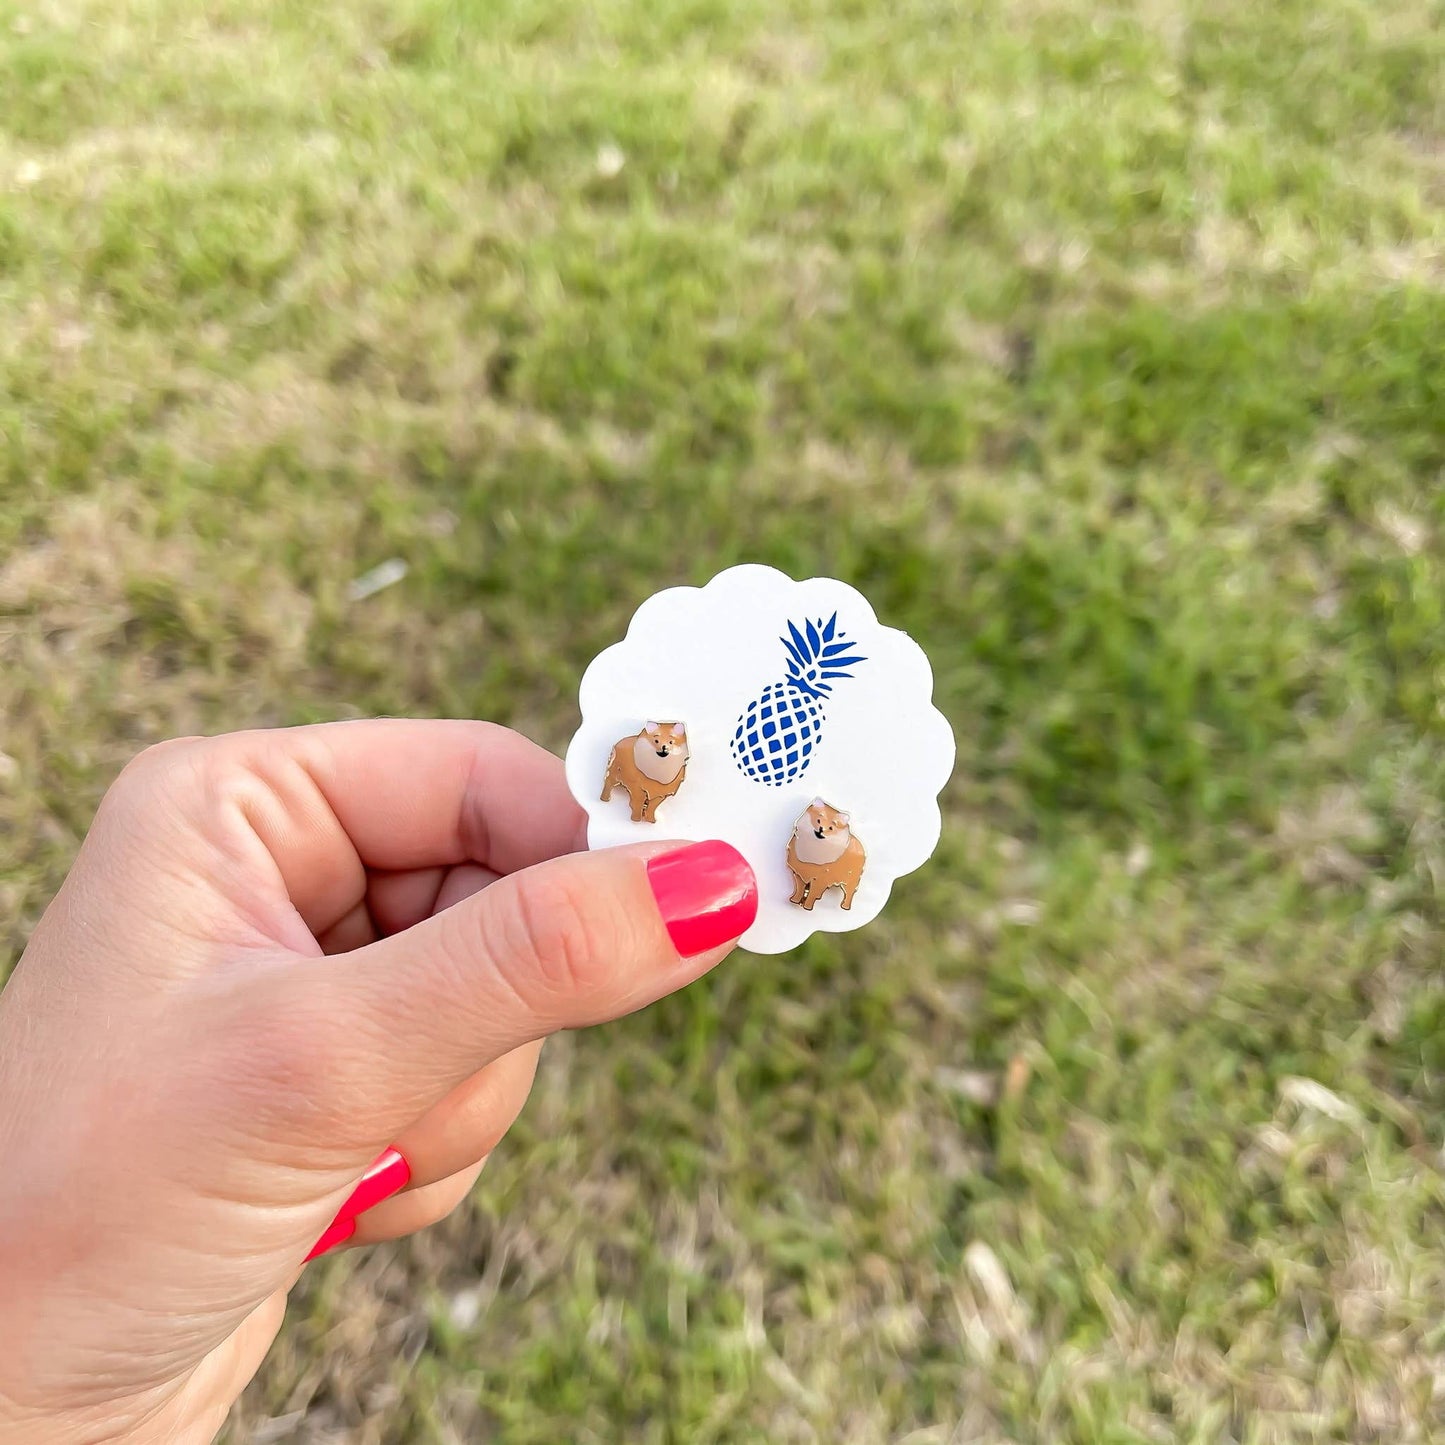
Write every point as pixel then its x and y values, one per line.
pixel 334 803
pixel 418 793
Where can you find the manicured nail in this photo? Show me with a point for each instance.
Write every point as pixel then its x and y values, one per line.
pixel 340 1230
pixel 389 1172
pixel 706 893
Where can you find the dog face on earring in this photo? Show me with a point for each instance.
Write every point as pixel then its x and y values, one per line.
pixel 660 750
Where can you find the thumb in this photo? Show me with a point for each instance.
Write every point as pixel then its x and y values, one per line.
pixel 564 944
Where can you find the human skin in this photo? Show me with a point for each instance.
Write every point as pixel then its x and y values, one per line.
pixel 278 954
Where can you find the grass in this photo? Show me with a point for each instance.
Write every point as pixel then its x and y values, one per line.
pixel 1101 346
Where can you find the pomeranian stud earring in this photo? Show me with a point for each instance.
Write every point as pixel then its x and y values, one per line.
pixel 824 853
pixel 650 765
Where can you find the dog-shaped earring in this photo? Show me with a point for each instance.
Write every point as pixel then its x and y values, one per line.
pixel 824 854
pixel 650 765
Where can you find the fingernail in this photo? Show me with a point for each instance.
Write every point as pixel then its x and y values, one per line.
pixel 389 1172
pixel 706 893
pixel 340 1230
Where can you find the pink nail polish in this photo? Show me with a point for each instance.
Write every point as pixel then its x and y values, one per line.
pixel 706 893
pixel 389 1172
pixel 339 1231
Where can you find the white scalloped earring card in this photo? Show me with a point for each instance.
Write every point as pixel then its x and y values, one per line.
pixel 769 712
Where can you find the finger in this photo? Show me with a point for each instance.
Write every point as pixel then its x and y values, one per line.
pixel 250 1343
pixel 353 930
pixel 399 900
pixel 565 944
pixel 416 1208
pixel 327 803
pixel 461 882
pixel 395 901
pixel 413 793
pixel 216 1383
pixel 471 1120
pixel 464 1127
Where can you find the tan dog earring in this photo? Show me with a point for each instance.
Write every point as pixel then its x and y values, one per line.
pixel 650 765
pixel 824 854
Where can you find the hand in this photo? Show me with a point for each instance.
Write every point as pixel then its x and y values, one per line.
pixel 279 953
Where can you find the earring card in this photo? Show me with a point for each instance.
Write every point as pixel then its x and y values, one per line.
pixel 791 696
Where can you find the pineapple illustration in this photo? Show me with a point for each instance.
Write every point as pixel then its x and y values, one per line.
pixel 778 731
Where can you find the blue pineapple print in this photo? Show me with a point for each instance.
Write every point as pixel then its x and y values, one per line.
pixel 778 731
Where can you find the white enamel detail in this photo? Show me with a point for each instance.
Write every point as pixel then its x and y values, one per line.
pixel 660 770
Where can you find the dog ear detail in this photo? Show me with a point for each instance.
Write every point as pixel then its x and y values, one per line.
pixel 680 729
pixel 650 727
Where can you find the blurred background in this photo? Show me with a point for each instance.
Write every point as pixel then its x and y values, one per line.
pixel 1103 346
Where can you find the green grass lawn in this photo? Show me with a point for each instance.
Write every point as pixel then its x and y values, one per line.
pixel 1103 347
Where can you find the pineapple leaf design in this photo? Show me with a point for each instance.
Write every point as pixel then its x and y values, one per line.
pixel 777 733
